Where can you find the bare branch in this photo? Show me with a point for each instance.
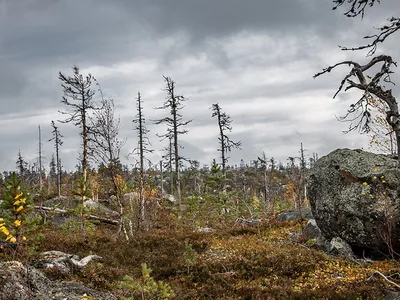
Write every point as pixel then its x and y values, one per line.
pixel 376 39
pixel 385 278
pixel 357 7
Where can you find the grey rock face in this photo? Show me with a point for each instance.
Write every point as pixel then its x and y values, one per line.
pixel 18 282
pixel 350 199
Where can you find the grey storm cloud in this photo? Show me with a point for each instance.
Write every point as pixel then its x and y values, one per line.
pixel 255 58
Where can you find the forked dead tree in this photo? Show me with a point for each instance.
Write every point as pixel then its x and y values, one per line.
pixel 57 144
pixel 174 122
pixel 224 125
pixel 141 150
pixel 78 98
pixel 372 84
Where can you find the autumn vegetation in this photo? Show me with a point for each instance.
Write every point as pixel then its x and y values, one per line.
pixel 186 231
pixel 174 257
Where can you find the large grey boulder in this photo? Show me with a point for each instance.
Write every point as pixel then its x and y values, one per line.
pixel 353 195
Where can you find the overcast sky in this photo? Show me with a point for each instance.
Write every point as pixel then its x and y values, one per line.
pixel 256 58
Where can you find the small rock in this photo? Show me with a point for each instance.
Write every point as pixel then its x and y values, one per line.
pixel 248 222
pixel 338 246
pixel 391 295
pixel 170 198
pixel 64 263
pixel 312 232
pixel 205 230
pixel 291 215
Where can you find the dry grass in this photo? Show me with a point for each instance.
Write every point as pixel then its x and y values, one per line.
pixel 234 263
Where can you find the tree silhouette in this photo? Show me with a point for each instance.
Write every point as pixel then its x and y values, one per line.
pixel 174 123
pixel 57 144
pixel 78 97
pixel 226 144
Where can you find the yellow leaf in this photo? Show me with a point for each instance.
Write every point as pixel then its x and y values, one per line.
pixel 4 230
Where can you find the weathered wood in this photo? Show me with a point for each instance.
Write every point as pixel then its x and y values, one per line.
pixel 91 217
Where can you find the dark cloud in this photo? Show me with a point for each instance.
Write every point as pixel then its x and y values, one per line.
pixel 255 58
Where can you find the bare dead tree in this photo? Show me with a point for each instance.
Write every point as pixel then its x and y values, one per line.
pixel 226 144
pixel 263 161
pixel 303 162
pixel 168 161
pixel 57 144
pixel 358 7
pixel 40 159
pixel 78 97
pixel 358 114
pixel 174 123
pixel 141 150
pixel 104 145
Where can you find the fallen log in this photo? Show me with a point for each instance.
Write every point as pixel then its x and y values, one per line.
pixel 91 217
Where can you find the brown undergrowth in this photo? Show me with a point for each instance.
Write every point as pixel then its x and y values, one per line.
pixel 261 262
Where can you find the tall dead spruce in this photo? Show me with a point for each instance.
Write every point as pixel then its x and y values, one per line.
pixel 372 77
pixel 141 150
pixel 174 123
pixel 78 98
pixel 226 144
pixel 57 144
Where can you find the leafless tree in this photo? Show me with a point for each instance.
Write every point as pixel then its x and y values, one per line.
pixel 40 156
pixel 141 150
pixel 57 144
pixel 358 7
pixel 226 144
pixel 373 85
pixel 263 161
pixel 355 7
pixel 372 78
pixel 174 123
pixel 78 97
pixel 104 145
